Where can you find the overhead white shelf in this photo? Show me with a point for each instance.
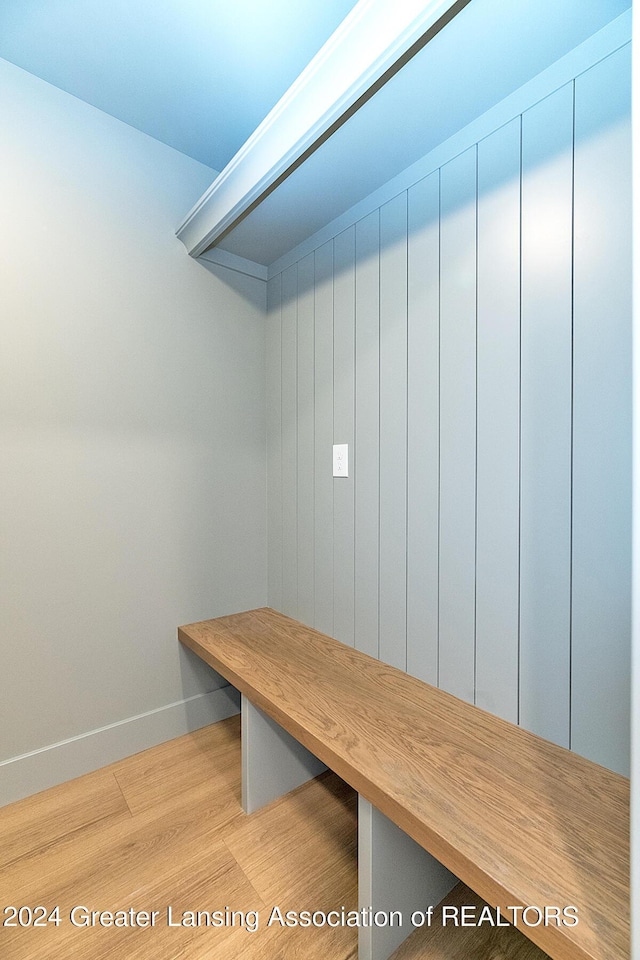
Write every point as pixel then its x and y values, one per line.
pixel 365 48
pixel 394 82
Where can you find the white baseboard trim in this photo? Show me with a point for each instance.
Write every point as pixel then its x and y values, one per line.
pixel 27 774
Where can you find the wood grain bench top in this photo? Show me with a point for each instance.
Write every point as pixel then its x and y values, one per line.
pixel 521 821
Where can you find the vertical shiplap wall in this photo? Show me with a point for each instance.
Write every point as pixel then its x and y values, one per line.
pixel 498 422
pixel 289 438
pixel 273 396
pixel 457 532
pixel 470 341
pixel 344 327
pixel 323 438
pixel 546 415
pixel 601 541
pixel 423 428
pixel 367 438
pixel 305 439
pixel 392 557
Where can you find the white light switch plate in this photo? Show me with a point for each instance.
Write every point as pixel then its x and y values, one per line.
pixel 341 459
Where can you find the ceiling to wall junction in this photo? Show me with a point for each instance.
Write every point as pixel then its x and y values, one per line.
pixel 198 75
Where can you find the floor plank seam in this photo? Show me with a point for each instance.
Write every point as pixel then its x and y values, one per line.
pixel 124 796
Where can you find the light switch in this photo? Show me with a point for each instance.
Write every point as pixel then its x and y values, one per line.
pixel 341 459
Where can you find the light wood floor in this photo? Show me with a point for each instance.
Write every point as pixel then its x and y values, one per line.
pixel 165 829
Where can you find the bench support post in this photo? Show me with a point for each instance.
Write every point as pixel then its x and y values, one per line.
pixel 394 874
pixel 273 763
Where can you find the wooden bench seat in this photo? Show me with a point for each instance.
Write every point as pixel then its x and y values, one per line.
pixel 521 821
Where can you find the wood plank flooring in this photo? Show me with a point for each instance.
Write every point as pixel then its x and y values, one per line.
pixel 165 829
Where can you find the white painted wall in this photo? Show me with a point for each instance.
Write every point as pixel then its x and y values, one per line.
pixel 132 437
pixel 635 587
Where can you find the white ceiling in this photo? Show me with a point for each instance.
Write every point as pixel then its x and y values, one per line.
pixel 198 75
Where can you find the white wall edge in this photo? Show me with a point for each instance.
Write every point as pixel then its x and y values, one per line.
pixel 232 261
pixel 635 582
pixel 364 51
pixel 40 769
pixel 602 44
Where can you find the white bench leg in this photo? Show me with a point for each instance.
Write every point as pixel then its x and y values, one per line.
pixel 273 763
pixel 394 874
